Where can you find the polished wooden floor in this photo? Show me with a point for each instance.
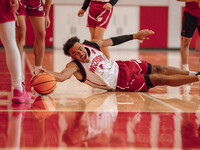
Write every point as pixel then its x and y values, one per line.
pixel 76 116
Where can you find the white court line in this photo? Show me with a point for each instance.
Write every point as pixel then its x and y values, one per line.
pixel 29 65
pixel 161 102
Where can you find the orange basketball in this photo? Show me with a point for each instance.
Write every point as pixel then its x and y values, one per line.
pixel 44 83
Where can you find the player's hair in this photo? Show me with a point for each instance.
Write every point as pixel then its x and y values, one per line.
pixel 70 43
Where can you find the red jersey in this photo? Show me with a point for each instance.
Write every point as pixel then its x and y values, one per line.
pixel 193 8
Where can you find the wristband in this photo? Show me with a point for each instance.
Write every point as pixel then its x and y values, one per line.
pixel 121 39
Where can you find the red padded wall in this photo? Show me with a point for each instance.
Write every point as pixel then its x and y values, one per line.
pixel 156 19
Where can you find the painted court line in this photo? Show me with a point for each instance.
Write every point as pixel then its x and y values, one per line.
pixel 161 102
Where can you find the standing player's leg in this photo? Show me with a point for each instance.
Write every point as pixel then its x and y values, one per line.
pixel 7 36
pixel 99 34
pixel 21 33
pixel 38 24
pixel 185 52
pixel 189 24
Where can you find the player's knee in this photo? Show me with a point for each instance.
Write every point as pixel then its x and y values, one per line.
pixel 158 69
pixel 41 35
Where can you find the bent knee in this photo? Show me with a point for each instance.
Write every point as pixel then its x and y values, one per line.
pixel 157 69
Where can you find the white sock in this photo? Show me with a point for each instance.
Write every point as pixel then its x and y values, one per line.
pixel 7 36
pixel 186 67
pixel 37 69
pixel 22 78
pixel 192 73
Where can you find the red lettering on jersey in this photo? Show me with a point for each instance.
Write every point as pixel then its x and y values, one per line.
pixel 95 63
pixel 101 66
pixel 93 51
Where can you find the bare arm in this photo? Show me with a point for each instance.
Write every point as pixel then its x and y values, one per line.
pixel 141 35
pixel 66 73
pixel 47 10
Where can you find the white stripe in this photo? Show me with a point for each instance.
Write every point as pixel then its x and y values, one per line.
pixel 92 18
pixel 141 87
pixel 161 102
pixel 138 65
pixel 106 19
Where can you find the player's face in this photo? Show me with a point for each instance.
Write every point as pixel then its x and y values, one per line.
pixel 79 53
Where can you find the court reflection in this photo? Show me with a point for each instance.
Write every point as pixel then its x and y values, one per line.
pixel 101 120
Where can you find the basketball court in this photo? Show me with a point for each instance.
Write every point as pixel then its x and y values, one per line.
pixel 76 116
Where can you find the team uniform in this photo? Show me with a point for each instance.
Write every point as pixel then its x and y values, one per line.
pixel 98 16
pixel 102 73
pixel 5 12
pixel 191 19
pixel 31 8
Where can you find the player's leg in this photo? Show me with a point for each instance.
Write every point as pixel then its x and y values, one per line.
pixel 185 52
pixel 189 25
pixel 92 32
pixel 169 70
pixel 7 36
pixel 172 80
pixel 99 34
pixel 38 24
pixel 21 33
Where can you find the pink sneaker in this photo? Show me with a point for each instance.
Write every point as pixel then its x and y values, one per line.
pixel 21 97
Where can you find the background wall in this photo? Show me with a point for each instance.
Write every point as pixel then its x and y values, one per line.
pixel 129 16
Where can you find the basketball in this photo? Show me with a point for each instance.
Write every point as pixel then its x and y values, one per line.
pixel 44 83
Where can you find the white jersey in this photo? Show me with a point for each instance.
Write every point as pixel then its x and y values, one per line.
pixel 99 72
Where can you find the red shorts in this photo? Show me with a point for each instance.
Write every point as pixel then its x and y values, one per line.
pixel 98 16
pixel 31 8
pixel 131 75
pixel 6 14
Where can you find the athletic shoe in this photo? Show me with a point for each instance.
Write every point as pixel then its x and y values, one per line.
pixel 21 97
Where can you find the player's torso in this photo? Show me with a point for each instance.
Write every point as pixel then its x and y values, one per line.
pixel 99 72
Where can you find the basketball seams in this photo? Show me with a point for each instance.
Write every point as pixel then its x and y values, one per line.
pixel 54 86
pixel 43 82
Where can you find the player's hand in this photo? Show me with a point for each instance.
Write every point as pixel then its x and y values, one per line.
pixel 81 12
pixel 16 20
pixel 141 35
pixel 107 6
pixel 47 22
pixel 14 5
pixel 42 70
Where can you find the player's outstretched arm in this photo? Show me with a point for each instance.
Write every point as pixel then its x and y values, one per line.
pixel 66 73
pixel 141 35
